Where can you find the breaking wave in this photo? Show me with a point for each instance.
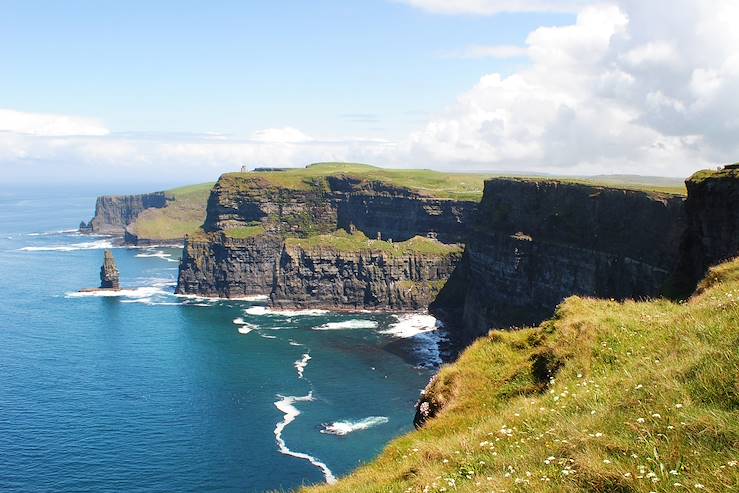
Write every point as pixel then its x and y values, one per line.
pixel 263 310
pixel 286 406
pixel 424 331
pixel 72 247
pixel 158 254
pixel 301 364
pixel 342 428
pixel 348 324
pixel 410 325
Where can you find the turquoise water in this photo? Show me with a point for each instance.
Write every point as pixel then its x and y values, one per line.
pixel 153 392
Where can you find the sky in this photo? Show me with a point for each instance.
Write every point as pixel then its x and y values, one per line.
pixel 182 91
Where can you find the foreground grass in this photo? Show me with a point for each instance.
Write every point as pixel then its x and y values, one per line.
pixel 341 241
pixel 605 397
pixel 183 215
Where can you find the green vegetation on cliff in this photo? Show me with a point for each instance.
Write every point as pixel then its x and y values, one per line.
pixel 605 397
pixel 341 241
pixel 184 214
pixel 460 186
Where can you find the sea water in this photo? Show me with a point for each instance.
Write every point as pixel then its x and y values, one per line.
pixel 148 391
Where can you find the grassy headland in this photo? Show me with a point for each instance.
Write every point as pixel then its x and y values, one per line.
pixel 604 397
pixel 184 214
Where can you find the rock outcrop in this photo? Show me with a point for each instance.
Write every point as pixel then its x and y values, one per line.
pixel 712 233
pixel 537 242
pixel 114 212
pixel 313 277
pixel 109 276
pixel 222 262
pixel 216 265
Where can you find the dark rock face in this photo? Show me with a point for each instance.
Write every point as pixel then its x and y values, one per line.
pixel 114 212
pixel 109 276
pixel 712 233
pixel 535 243
pixel 227 267
pixel 359 280
pixel 217 265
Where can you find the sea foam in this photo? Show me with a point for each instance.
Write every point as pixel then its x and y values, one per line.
pixel 286 406
pixel 301 364
pixel 348 324
pixel 263 310
pixel 72 247
pixel 342 428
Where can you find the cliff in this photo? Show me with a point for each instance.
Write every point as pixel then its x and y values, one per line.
pixel 607 396
pixel 712 233
pixel 246 247
pixel 152 218
pixel 336 272
pixel 114 212
pixel 536 242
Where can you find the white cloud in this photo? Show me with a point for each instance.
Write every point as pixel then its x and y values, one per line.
pixel 642 87
pixel 48 124
pixel 629 87
pixel 492 7
pixel 482 51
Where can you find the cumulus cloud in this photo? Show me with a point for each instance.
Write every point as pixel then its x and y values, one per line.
pixel 49 125
pixel 627 87
pixel 492 7
pixel 617 91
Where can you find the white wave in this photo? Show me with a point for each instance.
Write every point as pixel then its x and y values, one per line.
pixel 293 343
pixel 198 297
pixel 348 324
pixel 264 310
pixel 158 254
pixel 72 247
pixel 140 293
pixel 286 406
pixel 245 329
pixel 267 336
pixel 424 331
pixel 56 233
pixel 342 428
pixel 412 324
pixel 301 364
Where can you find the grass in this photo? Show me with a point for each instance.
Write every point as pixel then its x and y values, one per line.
pixel 458 186
pixel 605 397
pixel 245 231
pixel 341 241
pixel 183 215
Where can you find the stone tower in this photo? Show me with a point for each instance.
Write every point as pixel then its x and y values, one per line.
pixel 109 277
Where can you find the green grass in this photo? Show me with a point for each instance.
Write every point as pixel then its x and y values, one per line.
pixel 183 215
pixel 341 241
pixel 245 231
pixel 646 399
pixel 458 186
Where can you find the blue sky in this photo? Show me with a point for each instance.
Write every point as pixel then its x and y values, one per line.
pixel 137 90
pixel 366 66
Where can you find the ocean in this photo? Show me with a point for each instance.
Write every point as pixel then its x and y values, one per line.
pixel 148 391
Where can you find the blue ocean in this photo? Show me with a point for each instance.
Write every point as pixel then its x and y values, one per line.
pixel 148 391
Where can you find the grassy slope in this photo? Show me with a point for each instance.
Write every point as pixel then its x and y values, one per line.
pixel 342 241
pixel 184 215
pixel 460 186
pixel 647 399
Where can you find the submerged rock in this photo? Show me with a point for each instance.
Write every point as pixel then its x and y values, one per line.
pixel 109 276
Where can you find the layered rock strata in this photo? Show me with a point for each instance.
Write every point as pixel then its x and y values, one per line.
pixel 109 276
pixel 536 242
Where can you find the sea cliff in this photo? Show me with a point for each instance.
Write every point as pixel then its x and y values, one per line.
pixel 535 242
pixel 369 256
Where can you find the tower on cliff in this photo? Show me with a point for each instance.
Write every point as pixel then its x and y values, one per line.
pixel 109 276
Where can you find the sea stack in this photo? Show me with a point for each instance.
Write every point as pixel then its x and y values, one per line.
pixel 109 277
